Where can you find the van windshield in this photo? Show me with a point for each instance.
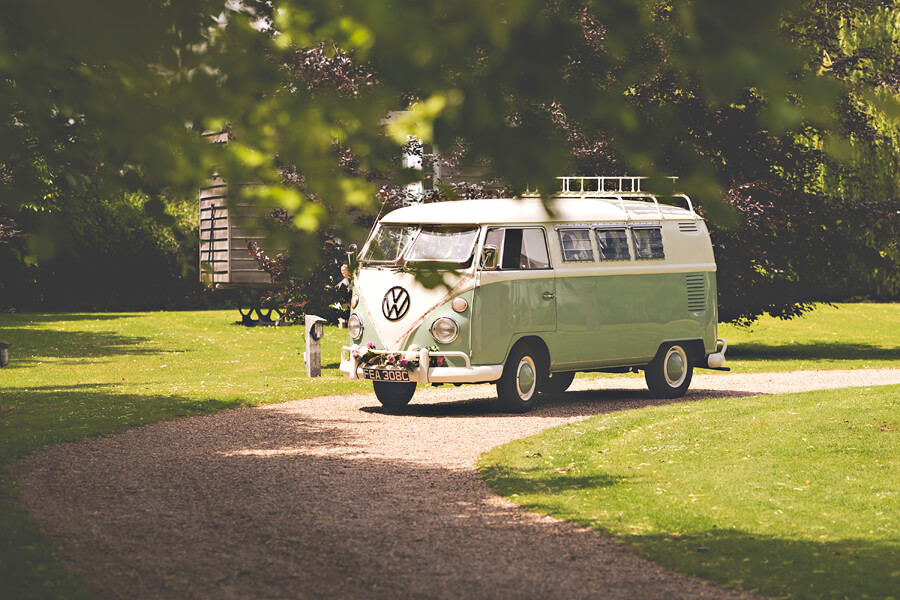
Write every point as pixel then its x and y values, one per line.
pixel 437 243
pixel 421 245
pixel 388 244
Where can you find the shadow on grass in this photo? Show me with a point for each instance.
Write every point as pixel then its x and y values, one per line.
pixel 766 565
pixel 812 351
pixel 511 481
pixel 37 417
pixel 63 317
pixel 780 567
pixel 29 344
pixel 29 569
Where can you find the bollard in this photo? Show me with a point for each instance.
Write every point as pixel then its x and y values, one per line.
pixel 4 360
pixel 315 329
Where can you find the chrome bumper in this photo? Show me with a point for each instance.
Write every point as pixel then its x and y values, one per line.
pixel 425 373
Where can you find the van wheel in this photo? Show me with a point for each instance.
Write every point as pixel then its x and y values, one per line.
pixel 557 383
pixel 522 377
pixel 394 395
pixel 669 374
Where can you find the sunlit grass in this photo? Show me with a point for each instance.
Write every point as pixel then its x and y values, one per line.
pixel 74 376
pixel 843 336
pixel 788 496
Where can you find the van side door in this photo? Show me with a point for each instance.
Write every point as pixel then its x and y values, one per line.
pixel 517 297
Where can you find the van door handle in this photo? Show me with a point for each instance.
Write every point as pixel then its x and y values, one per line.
pixel 548 295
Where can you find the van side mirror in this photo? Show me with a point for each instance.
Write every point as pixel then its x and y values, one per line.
pixel 489 258
pixel 352 257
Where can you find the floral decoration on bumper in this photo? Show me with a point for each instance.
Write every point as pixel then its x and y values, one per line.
pixel 408 359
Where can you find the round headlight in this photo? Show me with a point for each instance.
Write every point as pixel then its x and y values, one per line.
pixel 444 330
pixel 354 324
pixel 459 304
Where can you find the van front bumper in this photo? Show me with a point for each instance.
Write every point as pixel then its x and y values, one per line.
pixel 350 367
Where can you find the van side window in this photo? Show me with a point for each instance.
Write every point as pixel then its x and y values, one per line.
pixel 648 242
pixel 613 244
pixel 576 245
pixel 521 248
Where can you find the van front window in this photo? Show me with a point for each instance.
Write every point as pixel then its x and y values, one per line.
pixel 437 243
pixel 388 244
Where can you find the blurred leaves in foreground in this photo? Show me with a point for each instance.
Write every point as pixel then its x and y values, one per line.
pixel 780 116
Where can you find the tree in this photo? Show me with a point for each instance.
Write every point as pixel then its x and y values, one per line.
pixel 729 95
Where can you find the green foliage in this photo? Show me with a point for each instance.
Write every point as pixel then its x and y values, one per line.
pixel 482 71
pixel 314 291
pixel 781 116
pixel 104 253
pixel 785 496
pixel 819 203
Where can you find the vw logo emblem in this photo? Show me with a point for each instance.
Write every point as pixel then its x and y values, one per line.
pixel 395 304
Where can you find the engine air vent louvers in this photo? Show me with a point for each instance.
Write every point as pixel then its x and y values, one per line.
pixel 688 227
pixel 696 292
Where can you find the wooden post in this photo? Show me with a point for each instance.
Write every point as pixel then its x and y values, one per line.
pixel 314 327
pixel 4 360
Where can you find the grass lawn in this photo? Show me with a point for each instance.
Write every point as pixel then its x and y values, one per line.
pixel 791 496
pixel 844 336
pixel 74 376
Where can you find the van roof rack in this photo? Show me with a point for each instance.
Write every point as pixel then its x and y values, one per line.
pixel 613 189
pixel 593 185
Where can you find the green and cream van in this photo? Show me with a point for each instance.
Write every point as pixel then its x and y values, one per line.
pixel 506 291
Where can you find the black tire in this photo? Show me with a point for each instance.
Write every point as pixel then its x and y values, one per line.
pixel 392 394
pixel 557 383
pixel 669 374
pixel 523 376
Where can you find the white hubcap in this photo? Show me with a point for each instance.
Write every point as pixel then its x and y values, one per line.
pixel 525 378
pixel 675 366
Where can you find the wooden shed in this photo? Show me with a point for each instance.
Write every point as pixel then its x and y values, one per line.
pixel 225 259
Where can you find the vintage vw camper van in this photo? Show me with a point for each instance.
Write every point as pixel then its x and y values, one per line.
pixel 605 281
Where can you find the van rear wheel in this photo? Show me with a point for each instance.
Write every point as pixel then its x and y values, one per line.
pixel 522 377
pixel 669 374
pixel 393 394
pixel 557 383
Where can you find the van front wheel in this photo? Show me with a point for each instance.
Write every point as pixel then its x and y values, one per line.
pixel 522 377
pixel 392 394
pixel 669 374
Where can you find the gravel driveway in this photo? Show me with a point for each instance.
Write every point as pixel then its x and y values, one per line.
pixel 335 498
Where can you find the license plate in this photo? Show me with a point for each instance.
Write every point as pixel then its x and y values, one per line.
pixel 386 374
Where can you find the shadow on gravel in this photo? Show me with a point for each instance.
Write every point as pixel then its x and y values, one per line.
pixel 583 403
